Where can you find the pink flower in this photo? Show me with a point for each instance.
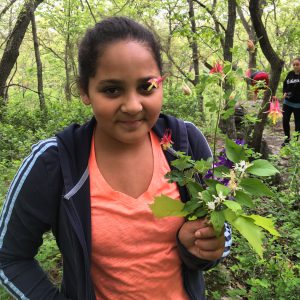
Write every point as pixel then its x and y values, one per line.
pixel 217 68
pixel 155 82
pixel 166 141
pixel 275 113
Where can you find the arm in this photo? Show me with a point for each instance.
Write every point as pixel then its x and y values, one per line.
pixel 29 211
pixel 284 88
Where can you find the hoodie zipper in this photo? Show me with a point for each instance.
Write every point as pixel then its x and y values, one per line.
pixel 75 222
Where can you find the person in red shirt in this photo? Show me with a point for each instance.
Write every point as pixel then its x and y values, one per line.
pixel 259 81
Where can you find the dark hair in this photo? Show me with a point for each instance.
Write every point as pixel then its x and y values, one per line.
pixel 107 31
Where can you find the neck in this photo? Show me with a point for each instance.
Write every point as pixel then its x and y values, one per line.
pixel 117 148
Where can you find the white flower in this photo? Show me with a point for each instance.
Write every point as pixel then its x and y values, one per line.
pixel 242 166
pixel 220 198
pixel 211 205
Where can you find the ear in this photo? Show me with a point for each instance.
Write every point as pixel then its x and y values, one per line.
pixel 84 97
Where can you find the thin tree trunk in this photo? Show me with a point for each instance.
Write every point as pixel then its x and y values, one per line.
pixel 11 51
pixel 38 64
pixel 276 68
pixel 67 58
pixel 251 54
pixel 228 126
pixel 195 57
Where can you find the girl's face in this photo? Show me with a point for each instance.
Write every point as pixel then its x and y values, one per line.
pixel 296 66
pixel 124 109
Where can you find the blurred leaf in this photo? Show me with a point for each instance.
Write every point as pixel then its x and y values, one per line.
pixel 246 227
pixel 217 219
pixel 164 206
pixel 243 199
pixel 234 152
pixel 255 187
pixel 265 223
pixel 262 167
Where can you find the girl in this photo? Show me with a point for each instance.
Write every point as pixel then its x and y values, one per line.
pixel 91 185
pixel 291 103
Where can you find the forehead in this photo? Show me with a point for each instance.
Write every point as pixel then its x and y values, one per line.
pixel 127 56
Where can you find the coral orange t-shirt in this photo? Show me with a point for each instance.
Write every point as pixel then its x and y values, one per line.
pixel 134 254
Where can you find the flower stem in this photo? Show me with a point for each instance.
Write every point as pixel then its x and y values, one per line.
pixel 216 127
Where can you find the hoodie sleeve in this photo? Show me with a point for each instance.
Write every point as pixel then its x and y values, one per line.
pixel 29 210
pixel 200 150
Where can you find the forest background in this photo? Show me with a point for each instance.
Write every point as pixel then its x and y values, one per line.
pixel 39 96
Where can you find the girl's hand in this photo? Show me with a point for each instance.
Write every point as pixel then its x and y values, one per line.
pixel 199 238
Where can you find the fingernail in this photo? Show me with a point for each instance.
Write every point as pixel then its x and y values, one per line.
pixel 198 234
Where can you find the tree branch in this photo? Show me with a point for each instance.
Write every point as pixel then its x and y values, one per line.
pixel 6 8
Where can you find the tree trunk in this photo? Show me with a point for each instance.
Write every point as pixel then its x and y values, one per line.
pixel 38 64
pixel 195 54
pixel 11 51
pixel 67 58
pixel 276 68
pixel 228 126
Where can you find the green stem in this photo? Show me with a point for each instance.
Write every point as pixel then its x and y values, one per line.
pixel 216 127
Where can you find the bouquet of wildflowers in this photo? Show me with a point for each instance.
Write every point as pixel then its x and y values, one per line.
pixel 221 190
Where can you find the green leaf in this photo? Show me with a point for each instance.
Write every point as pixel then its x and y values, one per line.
pixel 164 206
pixel 227 113
pixel 261 167
pixel 202 166
pixel 255 187
pixel 265 223
pixel 191 205
pixel 217 219
pixel 206 196
pixel 176 176
pixel 246 227
pixel 211 183
pixel 227 67
pixel 234 152
pixel 182 163
pixel 234 206
pixel 222 189
pixel 194 188
pixel 200 212
pixel 239 72
pixel 220 171
pixel 243 199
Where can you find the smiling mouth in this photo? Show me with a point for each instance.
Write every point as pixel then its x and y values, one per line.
pixel 131 123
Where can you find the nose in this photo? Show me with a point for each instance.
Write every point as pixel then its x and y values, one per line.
pixel 132 103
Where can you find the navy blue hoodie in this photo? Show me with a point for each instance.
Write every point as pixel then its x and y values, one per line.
pixel 51 192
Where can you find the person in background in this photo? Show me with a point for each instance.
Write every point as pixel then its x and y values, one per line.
pixel 259 81
pixel 92 185
pixel 291 102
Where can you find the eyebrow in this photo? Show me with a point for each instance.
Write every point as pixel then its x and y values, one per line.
pixel 116 81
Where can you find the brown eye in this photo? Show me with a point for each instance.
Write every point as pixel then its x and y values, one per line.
pixel 111 91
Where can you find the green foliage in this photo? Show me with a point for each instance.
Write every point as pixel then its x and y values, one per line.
pixel 215 199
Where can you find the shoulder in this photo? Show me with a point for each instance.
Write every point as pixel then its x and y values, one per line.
pixel 43 161
pixel 198 143
pixel 185 135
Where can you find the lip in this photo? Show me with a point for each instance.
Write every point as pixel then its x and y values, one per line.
pixel 131 124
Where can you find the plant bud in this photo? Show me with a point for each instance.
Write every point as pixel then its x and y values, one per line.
pixel 186 90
